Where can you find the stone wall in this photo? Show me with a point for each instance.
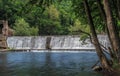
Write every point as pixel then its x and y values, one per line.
pixel 3 43
pixel 4 34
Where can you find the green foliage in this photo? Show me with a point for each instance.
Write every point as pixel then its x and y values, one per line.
pixel 34 31
pixel 79 9
pixel 22 28
pixel 52 12
pixel 118 23
pixel 116 64
pixel 50 23
pixel 78 27
pixel 62 12
pixel 49 27
pixel 66 15
pixel 44 14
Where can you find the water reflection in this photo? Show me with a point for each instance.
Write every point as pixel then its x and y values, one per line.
pixel 3 67
pixel 47 64
pixel 49 67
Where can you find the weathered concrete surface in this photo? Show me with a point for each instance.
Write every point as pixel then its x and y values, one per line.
pixel 68 42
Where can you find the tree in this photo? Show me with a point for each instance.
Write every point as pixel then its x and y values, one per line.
pixel 50 22
pixel 109 21
pixel 102 57
pixel 22 28
pixel 112 28
pixel 118 8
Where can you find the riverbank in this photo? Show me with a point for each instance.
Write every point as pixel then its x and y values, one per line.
pixel 4 50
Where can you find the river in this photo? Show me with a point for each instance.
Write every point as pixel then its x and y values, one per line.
pixel 48 63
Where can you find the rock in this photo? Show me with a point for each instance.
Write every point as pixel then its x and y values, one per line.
pixel 97 68
pixel 2 38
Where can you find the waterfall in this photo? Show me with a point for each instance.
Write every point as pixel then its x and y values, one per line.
pixel 69 42
pixel 26 42
pixel 53 42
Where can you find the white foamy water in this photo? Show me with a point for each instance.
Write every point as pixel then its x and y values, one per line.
pixel 57 42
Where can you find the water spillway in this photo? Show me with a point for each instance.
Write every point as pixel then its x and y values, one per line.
pixel 53 42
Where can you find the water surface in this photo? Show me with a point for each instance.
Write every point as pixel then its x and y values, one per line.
pixel 47 63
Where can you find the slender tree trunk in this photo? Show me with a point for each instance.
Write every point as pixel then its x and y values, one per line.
pixel 113 3
pixel 100 6
pixel 112 28
pixel 102 57
pixel 118 6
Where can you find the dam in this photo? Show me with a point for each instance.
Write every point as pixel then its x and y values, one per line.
pixel 67 42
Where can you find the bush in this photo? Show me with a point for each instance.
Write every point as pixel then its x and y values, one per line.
pixel 22 28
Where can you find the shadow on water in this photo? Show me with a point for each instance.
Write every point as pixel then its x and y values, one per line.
pixel 47 64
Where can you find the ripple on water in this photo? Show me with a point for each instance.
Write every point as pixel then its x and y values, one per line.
pixel 47 64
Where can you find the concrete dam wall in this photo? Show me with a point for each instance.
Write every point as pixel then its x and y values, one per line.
pixel 72 42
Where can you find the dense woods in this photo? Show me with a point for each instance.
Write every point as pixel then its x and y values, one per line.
pixel 51 18
pixel 63 17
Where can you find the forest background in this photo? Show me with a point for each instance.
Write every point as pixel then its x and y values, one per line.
pixel 56 17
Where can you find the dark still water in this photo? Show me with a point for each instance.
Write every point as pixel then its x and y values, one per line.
pixel 47 64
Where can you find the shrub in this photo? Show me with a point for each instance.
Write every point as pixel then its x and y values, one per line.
pixel 22 28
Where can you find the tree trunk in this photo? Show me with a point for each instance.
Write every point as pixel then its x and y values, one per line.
pixel 102 12
pixel 118 7
pixel 112 28
pixel 103 15
pixel 102 57
pixel 114 5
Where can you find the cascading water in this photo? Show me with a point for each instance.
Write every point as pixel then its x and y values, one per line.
pixel 69 42
pixel 55 42
pixel 27 42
